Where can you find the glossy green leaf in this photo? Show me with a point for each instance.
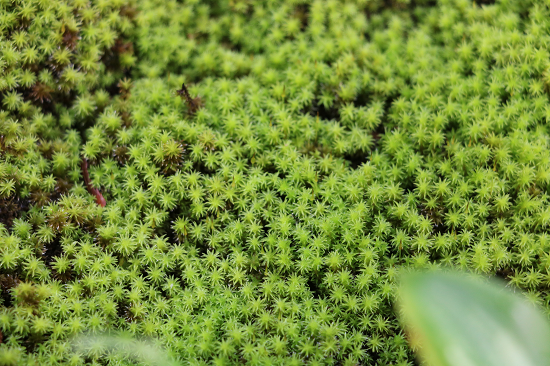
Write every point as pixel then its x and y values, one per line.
pixel 457 320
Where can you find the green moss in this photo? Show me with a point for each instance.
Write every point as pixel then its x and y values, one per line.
pixel 334 144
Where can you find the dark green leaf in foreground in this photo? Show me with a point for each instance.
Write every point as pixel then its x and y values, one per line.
pixel 458 320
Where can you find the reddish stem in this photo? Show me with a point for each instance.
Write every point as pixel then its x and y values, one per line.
pixel 94 191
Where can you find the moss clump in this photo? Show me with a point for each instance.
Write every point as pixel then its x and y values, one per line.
pixel 336 142
pixel 61 60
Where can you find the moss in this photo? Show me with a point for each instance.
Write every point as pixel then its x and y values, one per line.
pixel 335 143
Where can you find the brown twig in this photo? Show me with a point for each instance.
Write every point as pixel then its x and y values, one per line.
pixel 94 191
pixel 193 104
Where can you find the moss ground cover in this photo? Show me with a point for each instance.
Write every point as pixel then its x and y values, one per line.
pixel 335 143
